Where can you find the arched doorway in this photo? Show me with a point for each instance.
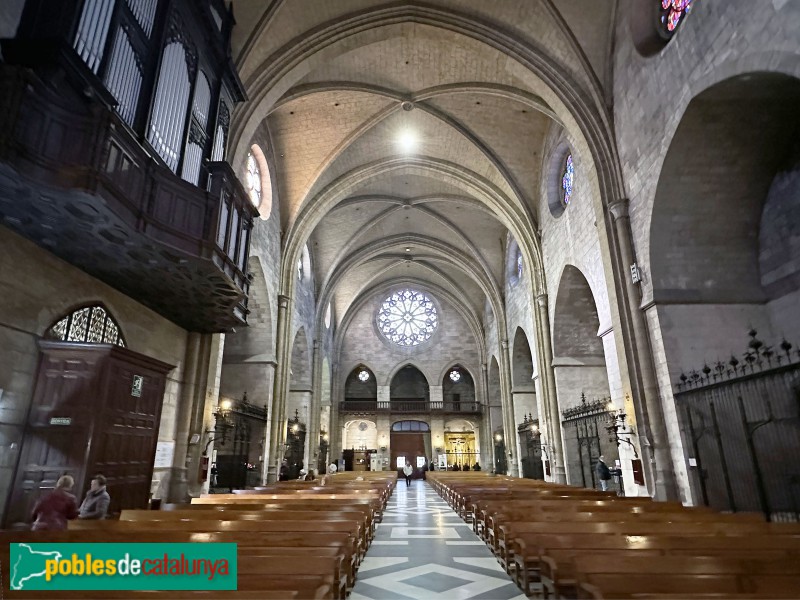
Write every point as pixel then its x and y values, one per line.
pixel 495 420
pixel 359 444
pixel 725 269
pixel 526 410
pixel 410 442
pixel 581 377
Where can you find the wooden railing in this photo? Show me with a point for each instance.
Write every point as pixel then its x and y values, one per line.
pixel 105 184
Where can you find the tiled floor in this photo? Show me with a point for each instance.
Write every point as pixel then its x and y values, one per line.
pixel 424 550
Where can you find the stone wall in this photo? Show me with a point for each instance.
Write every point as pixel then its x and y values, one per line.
pixel 38 289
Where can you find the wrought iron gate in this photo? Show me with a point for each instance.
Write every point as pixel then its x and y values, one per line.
pixel 742 426
pixel 583 426
pixel 239 435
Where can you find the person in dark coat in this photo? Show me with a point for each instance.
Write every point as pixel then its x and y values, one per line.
pixel 476 467
pixel 283 472
pixel 53 510
pixel 603 473
pixel 95 504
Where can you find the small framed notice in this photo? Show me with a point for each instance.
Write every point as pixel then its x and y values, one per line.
pixel 164 453
pixel 60 420
pixel 136 387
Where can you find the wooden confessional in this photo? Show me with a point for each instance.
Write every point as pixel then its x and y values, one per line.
pixel 96 408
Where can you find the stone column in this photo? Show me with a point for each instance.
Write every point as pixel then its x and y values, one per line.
pixel 548 384
pixel 277 435
pixel 509 429
pixel 178 482
pixel 202 417
pixel 314 409
pixel 644 387
pixel 487 446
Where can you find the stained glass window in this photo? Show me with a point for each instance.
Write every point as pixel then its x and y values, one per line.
pixel 407 318
pixel 568 178
pixel 672 14
pixel 253 180
pixel 363 375
pixel 519 264
pixel 89 324
pixel 300 269
pixel 328 316
pixel 455 376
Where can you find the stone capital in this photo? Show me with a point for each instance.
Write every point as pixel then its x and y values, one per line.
pixel 619 209
pixel 541 300
pixel 283 301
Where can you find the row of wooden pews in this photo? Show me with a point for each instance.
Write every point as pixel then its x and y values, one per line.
pixel 567 542
pixel 294 539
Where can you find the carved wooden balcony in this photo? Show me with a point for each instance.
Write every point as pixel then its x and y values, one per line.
pixel 75 179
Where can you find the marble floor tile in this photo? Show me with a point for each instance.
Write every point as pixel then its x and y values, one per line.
pixel 425 551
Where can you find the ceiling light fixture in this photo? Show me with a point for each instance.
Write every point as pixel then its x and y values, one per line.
pixel 407 142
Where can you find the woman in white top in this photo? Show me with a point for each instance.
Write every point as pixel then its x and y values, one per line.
pixel 408 471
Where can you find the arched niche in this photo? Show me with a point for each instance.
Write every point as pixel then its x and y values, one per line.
pixel 580 372
pixel 724 250
pixel 409 384
pixel 458 389
pixel 361 385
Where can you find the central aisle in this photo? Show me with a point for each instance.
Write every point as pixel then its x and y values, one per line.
pixel 424 550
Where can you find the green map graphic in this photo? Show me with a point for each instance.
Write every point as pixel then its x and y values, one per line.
pixel 29 564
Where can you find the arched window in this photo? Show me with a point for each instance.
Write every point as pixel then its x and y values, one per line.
pixel 519 264
pixel 88 324
pixel 253 180
pixel 407 318
pixel 567 179
pixel 328 316
pixel 406 426
pixel 672 14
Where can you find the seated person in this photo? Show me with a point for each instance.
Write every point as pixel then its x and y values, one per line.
pixel 95 504
pixel 477 467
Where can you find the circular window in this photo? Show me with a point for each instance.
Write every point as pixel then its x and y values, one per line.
pixel 328 316
pixel 363 375
pixel 253 180
pixel 567 179
pixel 653 23
pixel 407 318
pixel 672 14
pixel 455 376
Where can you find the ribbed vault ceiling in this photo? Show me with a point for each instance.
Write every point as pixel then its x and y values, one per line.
pixel 466 108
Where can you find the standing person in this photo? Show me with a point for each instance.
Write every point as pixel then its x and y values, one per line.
pixel 283 472
pixel 95 504
pixel 603 473
pixel 54 509
pixel 408 470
